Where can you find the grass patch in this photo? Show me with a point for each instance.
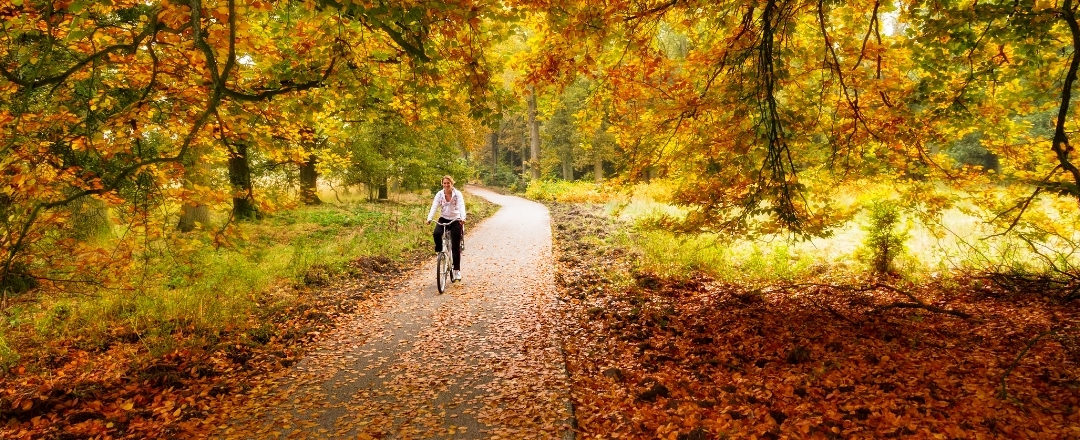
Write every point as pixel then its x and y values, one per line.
pixel 567 191
pixel 954 233
pixel 8 356
pixel 673 255
pixel 187 291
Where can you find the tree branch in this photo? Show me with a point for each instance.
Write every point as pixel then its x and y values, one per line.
pixel 1004 393
pixel 911 305
pixel 151 28
pixel 656 9
pixel 267 94
pixel 869 28
pixel 1061 146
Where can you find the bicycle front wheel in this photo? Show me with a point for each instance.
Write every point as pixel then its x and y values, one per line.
pixel 442 271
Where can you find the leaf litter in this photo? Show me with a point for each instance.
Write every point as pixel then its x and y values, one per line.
pixel 695 358
pixel 655 358
pixel 377 355
pixel 480 361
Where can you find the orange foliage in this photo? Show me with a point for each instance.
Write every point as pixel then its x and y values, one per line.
pixel 126 101
pixel 694 359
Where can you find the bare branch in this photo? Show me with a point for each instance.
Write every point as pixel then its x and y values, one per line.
pixel 1004 393
pixel 869 28
pixel 935 309
pixel 1061 145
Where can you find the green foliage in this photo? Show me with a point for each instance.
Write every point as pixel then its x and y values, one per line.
pixel 325 238
pixel 679 255
pixel 89 219
pixel 503 176
pixel 199 289
pixel 879 233
pixel 884 242
pixel 17 280
pixel 192 288
pixel 390 152
pixel 8 356
pixel 683 255
pixel 563 152
pixel 775 262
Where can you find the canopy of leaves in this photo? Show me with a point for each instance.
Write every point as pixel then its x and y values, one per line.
pixel 140 104
pixel 761 108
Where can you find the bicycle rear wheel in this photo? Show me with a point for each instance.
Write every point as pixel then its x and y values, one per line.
pixel 449 251
pixel 442 271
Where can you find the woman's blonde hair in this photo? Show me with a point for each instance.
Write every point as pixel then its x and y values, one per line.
pixel 448 177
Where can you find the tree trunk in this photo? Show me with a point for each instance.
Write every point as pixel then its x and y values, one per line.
pixel 568 166
pixel 194 212
pixel 493 139
pixel 598 166
pixel 372 191
pixel 309 178
pixel 384 190
pixel 534 136
pixel 1060 144
pixel 240 178
pixel 600 145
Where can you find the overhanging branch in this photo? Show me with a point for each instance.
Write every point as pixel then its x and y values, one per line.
pixel 1061 146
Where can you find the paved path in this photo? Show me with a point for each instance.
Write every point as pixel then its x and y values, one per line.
pixel 479 361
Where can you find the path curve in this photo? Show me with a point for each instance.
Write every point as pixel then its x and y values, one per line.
pixel 481 360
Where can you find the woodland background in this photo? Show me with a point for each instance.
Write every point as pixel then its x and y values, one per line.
pixel 179 180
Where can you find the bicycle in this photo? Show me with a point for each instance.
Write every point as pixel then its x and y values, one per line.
pixel 444 264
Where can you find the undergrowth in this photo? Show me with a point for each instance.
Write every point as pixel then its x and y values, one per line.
pixel 880 237
pixel 190 291
pixel 691 356
pixel 567 192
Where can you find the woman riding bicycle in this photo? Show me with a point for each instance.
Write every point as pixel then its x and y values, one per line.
pixel 451 206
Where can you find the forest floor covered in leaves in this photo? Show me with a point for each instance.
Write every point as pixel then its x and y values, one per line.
pixel 698 359
pixel 117 391
pixel 124 384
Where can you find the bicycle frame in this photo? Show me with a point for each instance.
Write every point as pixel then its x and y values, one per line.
pixel 445 260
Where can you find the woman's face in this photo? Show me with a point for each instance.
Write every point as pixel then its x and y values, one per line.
pixel 446 184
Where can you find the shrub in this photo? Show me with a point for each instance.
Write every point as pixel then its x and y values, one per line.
pixel 8 356
pixel 884 241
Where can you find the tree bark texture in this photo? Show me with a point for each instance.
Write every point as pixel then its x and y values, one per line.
pixel 493 140
pixel 193 212
pixel 568 166
pixel 240 178
pixel 384 190
pixel 534 136
pixel 1061 146
pixel 309 179
pixel 598 166
pixel 191 215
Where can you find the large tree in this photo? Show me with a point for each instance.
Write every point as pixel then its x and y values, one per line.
pixel 123 101
pixel 761 108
